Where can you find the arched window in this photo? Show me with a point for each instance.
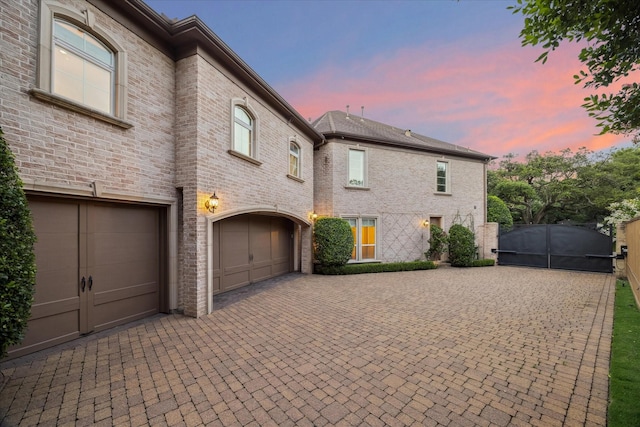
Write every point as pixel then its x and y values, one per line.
pixel 294 159
pixel 243 132
pixel 83 67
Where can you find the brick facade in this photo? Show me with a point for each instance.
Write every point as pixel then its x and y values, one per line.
pixel 167 144
pixel 400 193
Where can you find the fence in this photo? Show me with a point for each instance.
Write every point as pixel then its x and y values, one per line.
pixel 628 234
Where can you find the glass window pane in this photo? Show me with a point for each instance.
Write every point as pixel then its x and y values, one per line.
pixel 97 50
pixel 368 235
pixel 368 252
pixel 242 116
pixel 68 75
pixel 293 165
pixel 242 142
pixel 441 180
pixel 70 34
pixel 356 168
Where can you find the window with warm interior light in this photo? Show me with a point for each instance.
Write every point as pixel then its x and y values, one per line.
pixel 364 238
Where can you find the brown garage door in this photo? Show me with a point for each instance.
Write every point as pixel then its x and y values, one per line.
pixel 249 248
pixel 98 267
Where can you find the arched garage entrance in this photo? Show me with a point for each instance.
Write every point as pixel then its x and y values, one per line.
pixel 248 248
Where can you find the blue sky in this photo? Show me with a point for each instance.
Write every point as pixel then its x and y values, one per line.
pixel 451 70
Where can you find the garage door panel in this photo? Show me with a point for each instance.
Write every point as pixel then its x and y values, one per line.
pixel 117 246
pixel 249 248
pixel 128 310
pixel 38 334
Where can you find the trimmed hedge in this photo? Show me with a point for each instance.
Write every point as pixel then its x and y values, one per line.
pixel 17 259
pixel 462 249
pixel 486 262
pixel 498 211
pixel 333 241
pixel 375 267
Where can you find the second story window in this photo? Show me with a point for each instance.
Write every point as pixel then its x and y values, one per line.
pixel 243 132
pixel 442 177
pixel 357 168
pixel 294 159
pixel 83 67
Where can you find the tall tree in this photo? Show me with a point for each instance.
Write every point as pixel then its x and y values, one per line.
pixel 611 30
pixel 538 189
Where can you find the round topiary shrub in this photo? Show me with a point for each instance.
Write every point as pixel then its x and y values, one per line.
pixel 462 249
pixel 17 259
pixel 497 211
pixel 333 241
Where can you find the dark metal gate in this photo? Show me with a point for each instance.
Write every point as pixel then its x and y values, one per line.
pixel 557 246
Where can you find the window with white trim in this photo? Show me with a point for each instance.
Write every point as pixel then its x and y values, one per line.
pixel 442 177
pixel 243 131
pixel 80 66
pixel 294 159
pixel 357 176
pixel 364 238
pixel 83 67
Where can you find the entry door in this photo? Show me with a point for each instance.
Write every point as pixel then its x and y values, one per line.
pixel 97 267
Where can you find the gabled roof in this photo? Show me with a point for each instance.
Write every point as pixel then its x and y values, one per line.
pixel 339 124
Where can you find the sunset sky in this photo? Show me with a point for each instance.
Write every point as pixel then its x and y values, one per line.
pixel 451 70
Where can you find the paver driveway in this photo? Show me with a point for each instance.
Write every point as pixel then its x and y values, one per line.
pixel 483 346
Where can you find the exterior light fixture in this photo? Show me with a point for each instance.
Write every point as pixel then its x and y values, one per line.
pixel 425 223
pixel 212 203
pixel 313 216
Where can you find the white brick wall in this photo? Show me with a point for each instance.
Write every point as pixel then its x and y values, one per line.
pixel 401 194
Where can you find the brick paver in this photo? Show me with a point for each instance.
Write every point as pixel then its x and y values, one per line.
pixel 492 346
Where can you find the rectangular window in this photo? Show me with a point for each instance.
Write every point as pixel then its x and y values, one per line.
pixel 442 177
pixel 364 238
pixel 357 168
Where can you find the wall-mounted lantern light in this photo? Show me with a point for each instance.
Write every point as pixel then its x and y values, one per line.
pixel 313 216
pixel 212 203
pixel 425 223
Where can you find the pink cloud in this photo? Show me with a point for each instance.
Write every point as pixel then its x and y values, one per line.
pixel 496 101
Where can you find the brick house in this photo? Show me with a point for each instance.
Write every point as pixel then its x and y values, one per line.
pixel 161 170
pixel 124 124
pixel 391 184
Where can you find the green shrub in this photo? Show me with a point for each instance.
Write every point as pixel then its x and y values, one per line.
pixel 17 259
pixel 376 267
pixel 333 241
pixel 462 249
pixel 485 262
pixel 437 243
pixel 497 211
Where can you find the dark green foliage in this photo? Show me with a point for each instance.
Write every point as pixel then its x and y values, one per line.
pixel 462 249
pixel 375 267
pixel 625 359
pixel 497 211
pixel 437 243
pixel 333 241
pixel 17 259
pixel 485 262
pixel 609 33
